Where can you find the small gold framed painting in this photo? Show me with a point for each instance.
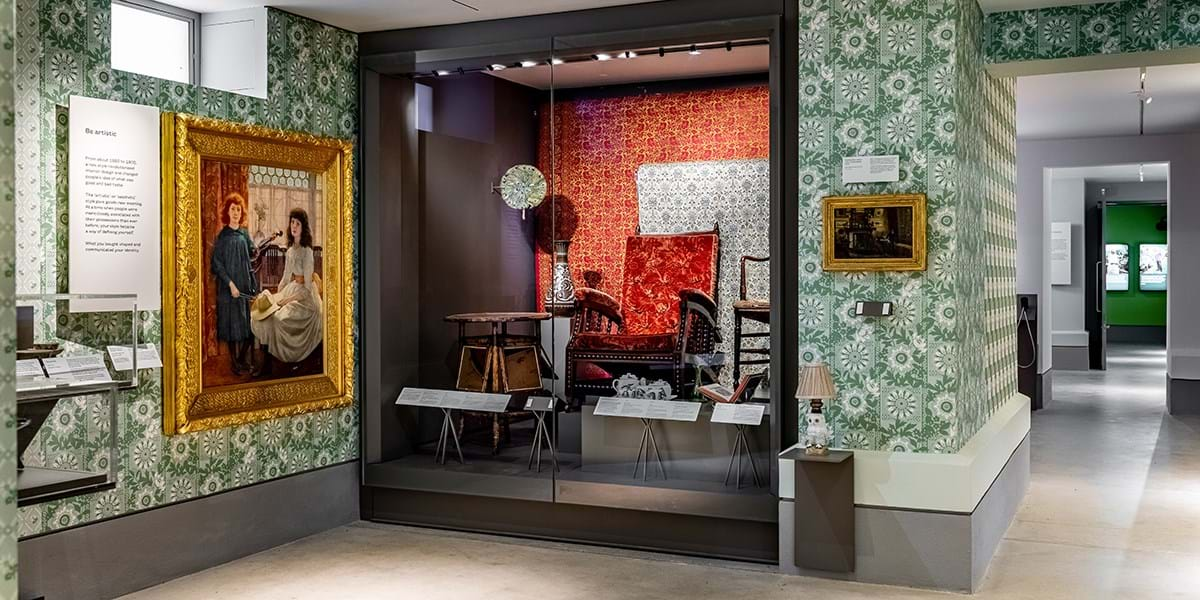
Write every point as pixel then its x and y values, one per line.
pixel 874 233
pixel 257 273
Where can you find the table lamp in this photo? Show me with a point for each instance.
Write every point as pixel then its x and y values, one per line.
pixel 816 385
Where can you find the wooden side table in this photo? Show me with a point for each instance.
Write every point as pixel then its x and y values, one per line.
pixel 494 377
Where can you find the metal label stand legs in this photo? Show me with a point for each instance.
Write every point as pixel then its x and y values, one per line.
pixel 741 445
pixel 448 432
pixel 542 434
pixel 644 447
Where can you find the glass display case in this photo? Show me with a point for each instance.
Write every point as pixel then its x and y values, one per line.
pixel 578 331
pixel 57 365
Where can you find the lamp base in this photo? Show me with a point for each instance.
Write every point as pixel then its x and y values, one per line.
pixel 817 451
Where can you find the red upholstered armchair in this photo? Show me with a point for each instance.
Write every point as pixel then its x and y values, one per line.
pixel 668 315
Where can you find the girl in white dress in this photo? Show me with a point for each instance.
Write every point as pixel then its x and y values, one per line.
pixel 291 333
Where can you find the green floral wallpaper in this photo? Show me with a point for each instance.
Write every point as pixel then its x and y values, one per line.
pixel 985 283
pixel 1091 29
pixel 8 316
pixel 905 77
pixel 62 49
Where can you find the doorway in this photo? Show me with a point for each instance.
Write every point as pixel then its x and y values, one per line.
pixel 1111 132
pixel 1107 240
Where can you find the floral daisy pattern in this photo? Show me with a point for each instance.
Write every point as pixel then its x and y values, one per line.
pixel 64 44
pixel 1092 29
pixel 918 90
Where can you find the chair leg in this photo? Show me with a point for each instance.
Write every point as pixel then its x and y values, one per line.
pixel 737 349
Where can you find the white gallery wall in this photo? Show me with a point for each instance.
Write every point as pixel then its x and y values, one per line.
pixel 1066 310
pixel 1182 152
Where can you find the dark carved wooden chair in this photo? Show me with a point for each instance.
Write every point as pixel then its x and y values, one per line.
pixel 667 316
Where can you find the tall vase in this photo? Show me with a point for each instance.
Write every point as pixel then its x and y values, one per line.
pixel 560 294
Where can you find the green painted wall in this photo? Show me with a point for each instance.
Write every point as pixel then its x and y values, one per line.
pixel 1134 224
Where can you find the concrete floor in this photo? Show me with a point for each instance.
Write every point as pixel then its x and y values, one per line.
pixel 1113 511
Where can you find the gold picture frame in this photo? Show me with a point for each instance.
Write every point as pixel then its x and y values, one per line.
pixel 188 142
pixel 884 232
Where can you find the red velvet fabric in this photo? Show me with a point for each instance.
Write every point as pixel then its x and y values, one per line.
pixel 599 144
pixel 586 370
pixel 656 268
pixel 654 342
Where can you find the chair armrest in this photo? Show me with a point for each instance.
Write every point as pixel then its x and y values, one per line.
pixel 696 303
pixel 694 298
pixel 596 311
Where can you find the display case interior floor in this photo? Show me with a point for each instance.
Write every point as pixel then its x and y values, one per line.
pixel 1113 511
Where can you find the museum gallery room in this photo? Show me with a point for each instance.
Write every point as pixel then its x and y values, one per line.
pixel 442 299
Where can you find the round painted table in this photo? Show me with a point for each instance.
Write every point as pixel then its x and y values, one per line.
pixel 493 377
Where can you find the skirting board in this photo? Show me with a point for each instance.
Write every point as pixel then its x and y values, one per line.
pixel 125 554
pixel 1182 362
pixel 1183 396
pixel 1137 334
pixel 1078 339
pixel 927 549
pixel 937 482
pixel 1070 358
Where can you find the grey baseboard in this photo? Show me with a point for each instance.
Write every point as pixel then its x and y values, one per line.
pixel 132 552
pixel 926 549
pixel 1183 396
pixel 1070 358
pixel 1045 388
pixel 1041 388
pixel 1137 334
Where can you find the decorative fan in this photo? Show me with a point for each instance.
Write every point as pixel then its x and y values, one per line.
pixel 523 187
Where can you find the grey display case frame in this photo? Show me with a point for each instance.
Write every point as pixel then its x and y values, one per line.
pixel 36 484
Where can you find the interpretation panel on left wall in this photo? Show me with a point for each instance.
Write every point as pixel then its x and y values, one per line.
pixel 114 184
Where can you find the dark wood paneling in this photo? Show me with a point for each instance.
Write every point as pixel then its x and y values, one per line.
pixel 476 253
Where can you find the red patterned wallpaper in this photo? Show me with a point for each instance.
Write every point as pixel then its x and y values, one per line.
pixel 600 144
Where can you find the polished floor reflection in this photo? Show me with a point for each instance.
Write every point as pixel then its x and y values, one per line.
pixel 1113 511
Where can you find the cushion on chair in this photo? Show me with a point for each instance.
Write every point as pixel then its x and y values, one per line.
pixel 586 370
pixel 654 342
pixel 656 268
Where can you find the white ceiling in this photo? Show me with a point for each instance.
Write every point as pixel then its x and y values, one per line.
pixel 1100 103
pixel 379 15
pixel 651 67
pixel 991 6
pixel 1115 173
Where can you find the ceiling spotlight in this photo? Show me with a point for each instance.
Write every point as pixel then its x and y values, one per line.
pixel 627 54
pixel 602 56
pixel 729 46
pixel 441 72
pixel 662 52
pixel 556 61
pixel 694 51
pixel 529 63
pixel 497 67
pixel 1142 173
